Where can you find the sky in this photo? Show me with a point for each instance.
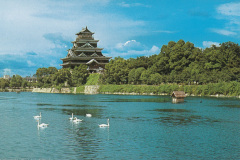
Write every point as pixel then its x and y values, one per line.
pixel 36 34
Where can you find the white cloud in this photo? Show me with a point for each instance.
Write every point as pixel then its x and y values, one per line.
pixel 146 52
pixel 23 25
pixel 7 71
pixel 224 32
pixel 229 9
pixel 30 63
pixel 230 13
pixel 164 31
pixel 37 34
pixel 154 50
pixel 130 45
pixel 124 4
pixel 210 43
pixel 132 48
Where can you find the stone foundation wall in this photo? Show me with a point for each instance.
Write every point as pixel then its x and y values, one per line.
pixel 91 89
pixel 52 90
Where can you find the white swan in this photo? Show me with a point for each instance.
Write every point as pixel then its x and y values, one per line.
pixel 37 117
pixel 104 125
pixel 77 120
pixel 88 115
pixel 42 125
pixel 71 118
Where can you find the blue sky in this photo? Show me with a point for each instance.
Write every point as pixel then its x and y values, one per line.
pixel 36 34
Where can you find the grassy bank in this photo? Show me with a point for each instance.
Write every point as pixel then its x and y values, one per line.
pixel 93 79
pixel 80 89
pixel 223 88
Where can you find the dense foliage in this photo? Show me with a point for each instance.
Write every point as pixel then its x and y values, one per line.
pixel 4 83
pixel 15 82
pixel 180 63
pixel 50 77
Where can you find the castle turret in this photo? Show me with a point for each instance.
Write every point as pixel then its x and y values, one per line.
pixel 85 51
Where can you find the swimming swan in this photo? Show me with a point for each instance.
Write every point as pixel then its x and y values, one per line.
pixel 88 115
pixel 77 120
pixel 42 125
pixel 71 118
pixel 37 117
pixel 104 125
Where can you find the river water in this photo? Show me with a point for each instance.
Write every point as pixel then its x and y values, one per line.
pixel 141 127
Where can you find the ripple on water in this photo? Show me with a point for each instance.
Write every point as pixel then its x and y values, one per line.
pixel 230 106
pixel 171 110
pixel 67 105
pixel 159 100
pixel 185 119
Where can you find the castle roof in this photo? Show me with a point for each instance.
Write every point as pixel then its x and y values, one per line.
pixel 91 61
pixel 84 30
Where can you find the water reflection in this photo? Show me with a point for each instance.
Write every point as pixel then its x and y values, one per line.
pixel 230 106
pixel 185 119
pixel 171 110
pixel 67 105
pixel 84 141
pixel 159 100
pixel 6 98
pixel 82 112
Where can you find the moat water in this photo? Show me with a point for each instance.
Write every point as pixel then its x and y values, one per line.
pixel 141 127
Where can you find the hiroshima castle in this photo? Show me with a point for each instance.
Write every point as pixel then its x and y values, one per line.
pixel 85 51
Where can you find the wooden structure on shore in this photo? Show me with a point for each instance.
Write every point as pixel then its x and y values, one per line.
pixel 85 51
pixel 178 96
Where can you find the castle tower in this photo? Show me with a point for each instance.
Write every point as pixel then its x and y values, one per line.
pixel 85 51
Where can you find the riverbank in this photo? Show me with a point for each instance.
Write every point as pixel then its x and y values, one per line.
pixel 16 90
pixel 212 90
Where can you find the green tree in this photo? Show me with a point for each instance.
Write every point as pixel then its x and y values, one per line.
pixel 45 76
pixel 156 78
pixel 62 77
pixel 16 81
pixel 131 76
pixel 145 76
pixel 4 83
pixel 116 71
pixel 137 74
pixel 79 75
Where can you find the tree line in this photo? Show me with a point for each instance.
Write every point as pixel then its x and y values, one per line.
pixel 15 82
pixel 50 77
pixel 178 62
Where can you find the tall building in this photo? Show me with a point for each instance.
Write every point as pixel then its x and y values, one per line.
pixel 85 51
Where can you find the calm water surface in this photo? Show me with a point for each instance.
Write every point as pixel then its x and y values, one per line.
pixel 141 127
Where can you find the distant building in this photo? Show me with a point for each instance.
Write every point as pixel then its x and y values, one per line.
pixel 32 79
pixel 27 78
pixel 178 96
pixel 7 77
pixel 85 51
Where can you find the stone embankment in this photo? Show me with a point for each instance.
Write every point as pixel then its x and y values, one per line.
pixel 16 90
pixel 53 90
pixel 91 89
